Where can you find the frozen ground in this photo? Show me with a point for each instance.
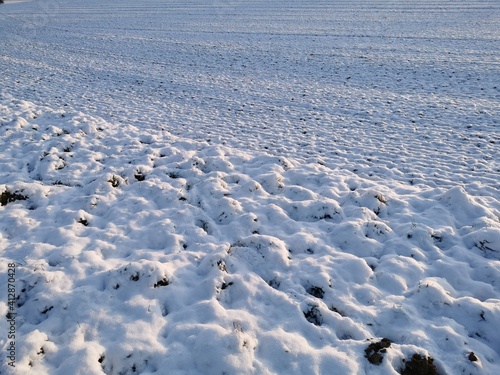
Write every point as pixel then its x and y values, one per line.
pixel 230 187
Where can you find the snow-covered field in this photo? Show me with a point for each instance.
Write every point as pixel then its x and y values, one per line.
pixel 250 187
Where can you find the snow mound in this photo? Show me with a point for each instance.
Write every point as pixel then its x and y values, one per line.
pixel 137 252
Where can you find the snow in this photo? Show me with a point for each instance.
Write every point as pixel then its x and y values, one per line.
pixel 253 187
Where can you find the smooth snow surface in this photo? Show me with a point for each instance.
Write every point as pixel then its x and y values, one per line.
pixel 259 187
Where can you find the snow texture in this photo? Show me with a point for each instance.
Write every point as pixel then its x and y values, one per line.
pixel 228 187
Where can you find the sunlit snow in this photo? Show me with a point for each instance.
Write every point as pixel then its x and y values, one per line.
pixel 250 187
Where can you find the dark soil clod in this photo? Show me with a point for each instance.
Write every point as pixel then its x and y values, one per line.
pixel 224 285
pixel 114 181
pixel 47 309
pixel 314 316
pixel 372 353
pixel 334 309
pixel 274 283
pixel 419 365
pixel 222 265
pixel 139 177
pixel 83 222
pixel 316 292
pixel 8 197
pixel 162 282
pixel 472 357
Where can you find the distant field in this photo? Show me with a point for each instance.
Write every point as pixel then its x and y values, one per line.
pixel 408 90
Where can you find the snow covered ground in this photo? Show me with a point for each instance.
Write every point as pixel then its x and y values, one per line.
pixel 260 187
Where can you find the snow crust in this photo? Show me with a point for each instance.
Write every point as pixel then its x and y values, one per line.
pixel 184 215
